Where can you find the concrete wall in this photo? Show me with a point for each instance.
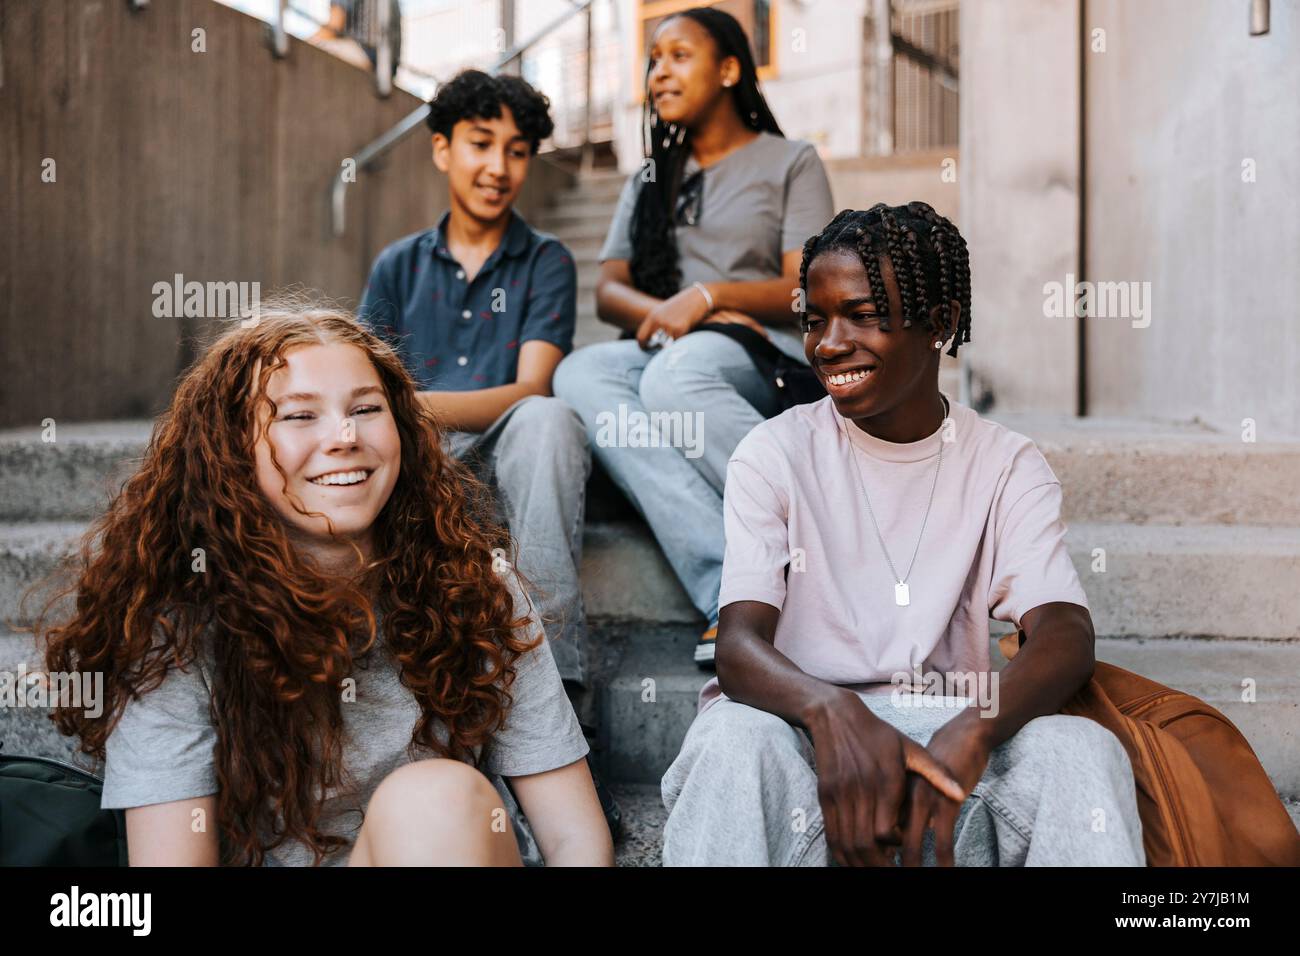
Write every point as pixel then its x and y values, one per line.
pixel 214 165
pixel 1182 96
pixel 862 182
pixel 1019 178
pixel 816 91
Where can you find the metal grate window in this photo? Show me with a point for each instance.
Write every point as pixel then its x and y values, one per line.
pixel 925 87
pixel 910 76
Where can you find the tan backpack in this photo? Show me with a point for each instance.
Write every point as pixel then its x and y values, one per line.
pixel 1203 796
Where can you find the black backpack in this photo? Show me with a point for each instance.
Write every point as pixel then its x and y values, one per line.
pixel 50 816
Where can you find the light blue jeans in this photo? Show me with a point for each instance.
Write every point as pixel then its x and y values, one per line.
pixel 743 792
pixel 534 458
pixel 678 490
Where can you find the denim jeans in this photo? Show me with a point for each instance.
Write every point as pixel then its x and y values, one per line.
pixel 535 459
pixel 743 792
pixel 678 490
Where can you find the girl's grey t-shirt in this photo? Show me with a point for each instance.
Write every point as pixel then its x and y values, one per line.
pixel 163 747
pixel 757 203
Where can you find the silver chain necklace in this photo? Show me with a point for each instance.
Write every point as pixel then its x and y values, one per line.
pixel 902 594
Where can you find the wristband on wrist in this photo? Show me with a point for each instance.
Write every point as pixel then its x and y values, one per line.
pixel 704 292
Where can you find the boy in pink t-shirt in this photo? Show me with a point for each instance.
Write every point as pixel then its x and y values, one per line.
pixel 871 536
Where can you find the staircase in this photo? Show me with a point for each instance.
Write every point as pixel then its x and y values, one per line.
pixel 580 216
pixel 1200 590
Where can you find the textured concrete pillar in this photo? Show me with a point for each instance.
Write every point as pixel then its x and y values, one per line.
pixel 1019 177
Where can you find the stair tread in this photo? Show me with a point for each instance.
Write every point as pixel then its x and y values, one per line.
pixel 1211 539
pixel 109 431
pixel 643 824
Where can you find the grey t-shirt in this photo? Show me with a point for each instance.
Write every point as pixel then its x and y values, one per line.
pixel 758 202
pixel 163 747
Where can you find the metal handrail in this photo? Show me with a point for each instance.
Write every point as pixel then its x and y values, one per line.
pixel 279 36
pixel 403 128
pixel 384 54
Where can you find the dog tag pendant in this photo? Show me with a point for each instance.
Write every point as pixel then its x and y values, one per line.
pixel 901 595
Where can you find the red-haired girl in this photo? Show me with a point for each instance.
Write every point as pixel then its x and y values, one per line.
pixel 314 645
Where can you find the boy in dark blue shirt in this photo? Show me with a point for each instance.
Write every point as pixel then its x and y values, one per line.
pixel 481 308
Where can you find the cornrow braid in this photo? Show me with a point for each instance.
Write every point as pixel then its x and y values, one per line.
pixel 929 256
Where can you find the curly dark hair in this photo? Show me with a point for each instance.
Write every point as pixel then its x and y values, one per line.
pixel 284 634
pixel 473 94
pixel 926 250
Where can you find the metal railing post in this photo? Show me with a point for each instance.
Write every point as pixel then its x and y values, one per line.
pixel 882 105
pixel 384 54
pixel 279 37
pixel 368 154
pixel 588 157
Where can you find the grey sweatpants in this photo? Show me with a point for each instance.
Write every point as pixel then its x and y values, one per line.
pixel 743 792
pixel 536 460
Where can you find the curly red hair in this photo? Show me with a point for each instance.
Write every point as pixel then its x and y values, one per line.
pixel 283 633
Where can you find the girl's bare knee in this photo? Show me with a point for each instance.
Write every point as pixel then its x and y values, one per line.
pixel 440 793
pixel 436 812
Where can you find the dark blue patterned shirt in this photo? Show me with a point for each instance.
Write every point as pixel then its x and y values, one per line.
pixel 458 336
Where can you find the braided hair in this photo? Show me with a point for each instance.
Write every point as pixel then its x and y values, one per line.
pixel 654 263
pixel 927 252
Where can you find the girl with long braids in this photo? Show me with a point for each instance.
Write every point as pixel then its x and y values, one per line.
pixel 915 521
pixel 710 229
pixel 314 646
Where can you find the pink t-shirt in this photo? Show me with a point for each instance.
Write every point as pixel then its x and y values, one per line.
pixel 993 544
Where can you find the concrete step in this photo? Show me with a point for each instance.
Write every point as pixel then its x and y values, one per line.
pixel 602 191
pixel 1195 581
pixel 29 730
pixel 1158 581
pixel 581 231
pixel 71 476
pixel 647 694
pixel 30 555
pixel 1112 471
pixel 625 575
pixel 577 218
pixel 585 248
pixel 1142 472
pixel 644 816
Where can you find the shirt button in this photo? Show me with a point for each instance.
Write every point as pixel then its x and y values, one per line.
pixel 460 273
pixel 466 314
pixel 463 360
